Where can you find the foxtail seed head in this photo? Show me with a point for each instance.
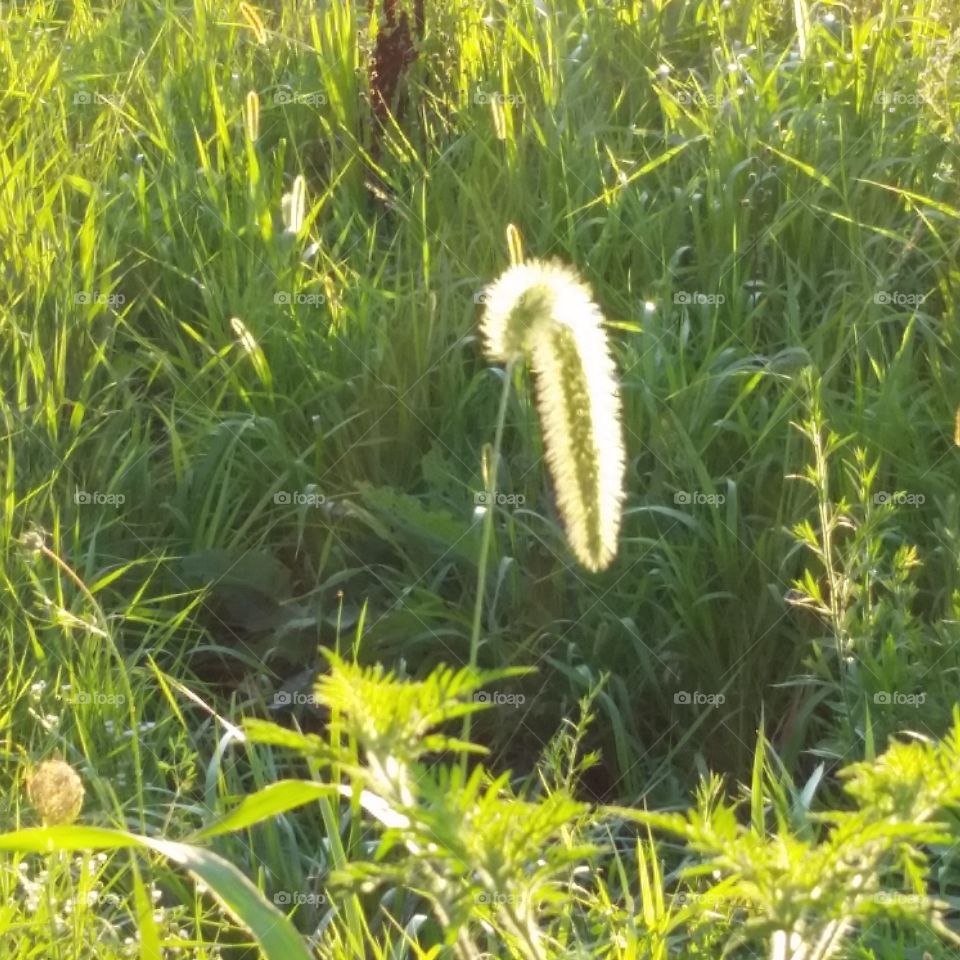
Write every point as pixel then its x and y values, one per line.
pixel 544 313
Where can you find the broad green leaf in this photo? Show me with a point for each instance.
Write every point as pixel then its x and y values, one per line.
pixel 405 514
pixel 275 934
pixel 265 731
pixel 252 569
pixel 272 800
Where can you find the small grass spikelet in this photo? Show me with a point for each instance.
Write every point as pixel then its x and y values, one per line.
pixel 543 313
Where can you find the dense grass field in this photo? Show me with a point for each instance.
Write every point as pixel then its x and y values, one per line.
pixel 245 429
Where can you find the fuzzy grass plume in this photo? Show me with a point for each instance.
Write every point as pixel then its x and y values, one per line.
pixel 543 313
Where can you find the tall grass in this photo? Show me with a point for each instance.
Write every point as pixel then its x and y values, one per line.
pixel 238 441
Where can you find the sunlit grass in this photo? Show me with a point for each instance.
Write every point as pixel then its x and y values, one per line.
pixel 772 238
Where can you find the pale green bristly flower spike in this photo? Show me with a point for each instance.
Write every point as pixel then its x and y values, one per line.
pixel 293 206
pixel 251 116
pixel 543 313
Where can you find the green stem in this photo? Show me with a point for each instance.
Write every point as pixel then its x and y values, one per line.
pixel 121 661
pixel 487 536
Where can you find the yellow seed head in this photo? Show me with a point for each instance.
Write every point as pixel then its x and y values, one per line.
pixel 55 791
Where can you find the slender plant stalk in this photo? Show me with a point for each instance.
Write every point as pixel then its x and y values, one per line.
pixel 36 542
pixel 487 535
pixel 834 577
